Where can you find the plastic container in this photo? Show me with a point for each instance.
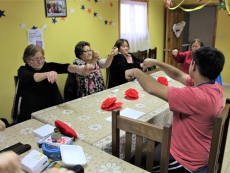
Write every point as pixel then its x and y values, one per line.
pixel 72 155
pixel 51 152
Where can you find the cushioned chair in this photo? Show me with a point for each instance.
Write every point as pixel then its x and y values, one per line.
pixel 153 55
pixel 141 129
pixel 219 137
pixel 70 90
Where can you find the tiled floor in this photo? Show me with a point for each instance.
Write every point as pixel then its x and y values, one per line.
pixel 226 163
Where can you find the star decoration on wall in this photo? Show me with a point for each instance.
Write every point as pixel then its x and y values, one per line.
pixel 111 4
pixel 89 0
pixel 83 7
pixel 2 13
pixel 95 14
pixel 110 23
pixel 34 27
pixel 95 1
pixel 168 3
pixel 72 11
pixel 23 25
pixel 113 23
pixel 221 5
pixel 81 0
pixel 89 11
pixel 103 1
pixel 63 18
pixel 100 17
pixel 54 20
pixel 44 26
pixel 106 22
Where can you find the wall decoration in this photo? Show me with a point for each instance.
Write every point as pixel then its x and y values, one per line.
pixel 2 13
pixel 111 4
pixel 35 36
pixel 95 14
pixel 89 10
pixel 72 11
pixel 23 25
pixel 113 23
pixel 100 17
pixel 55 8
pixel 63 18
pixel 95 1
pixel 44 26
pixel 168 3
pixel 106 22
pixel 54 20
pixel 110 23
pixel 34 27
pixel 103 1
pixel 82 7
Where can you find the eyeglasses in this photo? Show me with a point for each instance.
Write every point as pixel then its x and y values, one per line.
pixel 38 60
pixel 87 50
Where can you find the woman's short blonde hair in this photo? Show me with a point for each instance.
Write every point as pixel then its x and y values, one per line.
pixel 30 52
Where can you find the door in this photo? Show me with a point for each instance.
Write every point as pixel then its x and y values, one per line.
pixel 171 41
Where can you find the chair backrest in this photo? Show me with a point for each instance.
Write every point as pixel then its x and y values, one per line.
pixel 108 78
pixel 15 81
pixel 141 129
pixel 142 54
pixel 219 137
pixel 153 55
pixel 135 54
pixel 70 89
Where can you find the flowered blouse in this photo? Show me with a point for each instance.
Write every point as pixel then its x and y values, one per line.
pixel 89 83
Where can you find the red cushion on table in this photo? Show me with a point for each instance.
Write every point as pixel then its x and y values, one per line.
pixel 65 129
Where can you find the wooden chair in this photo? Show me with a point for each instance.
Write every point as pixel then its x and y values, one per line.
pixel 219 137
pixel 135 54
pixel 153 55
pixel 142 54
pixel 108 78
pixel 141 129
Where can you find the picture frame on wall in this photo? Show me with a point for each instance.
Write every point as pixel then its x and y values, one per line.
pixel 55 8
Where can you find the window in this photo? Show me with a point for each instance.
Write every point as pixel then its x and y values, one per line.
pixel 134 24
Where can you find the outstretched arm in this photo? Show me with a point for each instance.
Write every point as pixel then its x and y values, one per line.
pixel 171 71
pixel 105 63
pixel 149 84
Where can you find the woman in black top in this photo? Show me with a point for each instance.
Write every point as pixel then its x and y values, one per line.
pixel 122 62
pixel 37 88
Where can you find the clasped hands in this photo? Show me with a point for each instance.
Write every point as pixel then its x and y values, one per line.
pixel 148 62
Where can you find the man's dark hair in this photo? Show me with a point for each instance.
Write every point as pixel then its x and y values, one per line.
pixel 79 48
pixel 210 61
pixel 119 42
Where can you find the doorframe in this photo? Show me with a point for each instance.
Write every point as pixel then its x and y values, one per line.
pixel 216 17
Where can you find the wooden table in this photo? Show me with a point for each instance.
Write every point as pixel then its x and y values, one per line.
pixel 97 160
pixel 85 116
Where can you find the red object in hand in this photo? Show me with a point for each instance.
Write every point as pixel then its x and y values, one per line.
pixel 132 94
pixel 163 80
pixel 65 129
pixel 109 104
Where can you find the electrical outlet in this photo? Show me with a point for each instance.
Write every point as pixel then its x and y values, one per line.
pixel 221 36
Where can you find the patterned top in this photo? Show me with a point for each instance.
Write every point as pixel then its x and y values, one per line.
pixel 89 84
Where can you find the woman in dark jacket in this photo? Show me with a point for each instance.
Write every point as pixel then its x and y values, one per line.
pixel 122 62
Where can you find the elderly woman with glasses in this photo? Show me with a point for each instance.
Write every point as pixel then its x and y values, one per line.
pixel 90 83
pixel 37 88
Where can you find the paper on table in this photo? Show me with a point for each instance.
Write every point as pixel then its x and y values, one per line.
pixel 130 113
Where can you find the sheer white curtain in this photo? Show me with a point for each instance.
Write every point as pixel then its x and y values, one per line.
pixel 134 24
